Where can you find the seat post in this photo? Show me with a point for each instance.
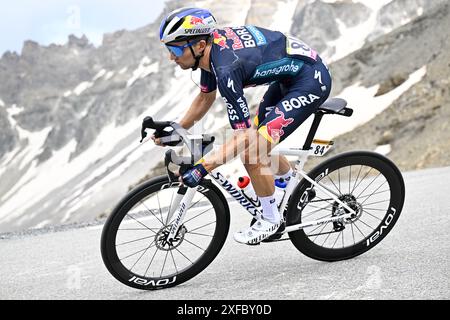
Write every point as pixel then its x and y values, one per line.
pixel 312 132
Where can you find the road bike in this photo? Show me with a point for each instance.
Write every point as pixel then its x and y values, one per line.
pixel 162 233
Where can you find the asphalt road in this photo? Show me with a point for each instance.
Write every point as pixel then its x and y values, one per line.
pixel 413 262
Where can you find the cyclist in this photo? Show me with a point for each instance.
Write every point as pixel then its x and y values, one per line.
pixel 231 59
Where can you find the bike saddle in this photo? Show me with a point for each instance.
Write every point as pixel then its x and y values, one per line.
pixel 336 106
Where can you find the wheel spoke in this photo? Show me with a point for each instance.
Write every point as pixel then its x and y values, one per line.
pixel 369 185
pixel 339 177
pixel 365 208
pixel 143 253
pixel 335 241
pixel 197 215
pixel 184 255
pixel 164 264
pixel 315 211
pixel 339 191
pixel 194 244
pixel 140 223
pixel 354 186
pixel 159 205
pixel 137 229
pixel 353 234
pixel 312 235
pixel 137 252
pixel 196 202
pixel 368 204
pixel 350 180
pixel 203 226
pixel 121 244
pixel 200 234
pixel 374 192
pixel 321 230
pixel 372 215
pixel 174 263
pixel 329 234
pixel 151 211
pixel 362 179
pixel 360 220
pixel 151 261
pixel 359 229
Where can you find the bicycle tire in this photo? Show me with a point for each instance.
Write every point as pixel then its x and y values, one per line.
pixel 300 199
pixel 109 247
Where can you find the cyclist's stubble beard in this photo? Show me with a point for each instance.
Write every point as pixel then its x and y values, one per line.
pixel 186 61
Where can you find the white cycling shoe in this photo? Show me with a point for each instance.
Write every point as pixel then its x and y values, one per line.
pixel 258 232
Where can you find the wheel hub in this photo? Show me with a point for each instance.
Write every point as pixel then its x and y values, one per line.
pixel 338 210
pixel 161 238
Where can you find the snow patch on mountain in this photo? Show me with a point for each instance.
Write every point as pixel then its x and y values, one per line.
pixel 143 70
pixel 100 74
pixel 365 105
pixel 384 149
pixel 352 38
pixel 282 18
pixel 83 86
pixel 374 5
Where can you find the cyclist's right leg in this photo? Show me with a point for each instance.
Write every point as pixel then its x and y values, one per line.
pixel 279 165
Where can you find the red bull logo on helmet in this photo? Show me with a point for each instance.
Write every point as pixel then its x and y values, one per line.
pixel 191 22
pixel 195 21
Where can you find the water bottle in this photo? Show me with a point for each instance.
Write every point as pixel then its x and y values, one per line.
pixel 280 190
pixel 246 187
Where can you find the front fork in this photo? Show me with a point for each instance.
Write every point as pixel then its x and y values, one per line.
pixel 181 209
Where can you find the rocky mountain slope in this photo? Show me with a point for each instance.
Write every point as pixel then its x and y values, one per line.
pixel 70 115
pixel 416 125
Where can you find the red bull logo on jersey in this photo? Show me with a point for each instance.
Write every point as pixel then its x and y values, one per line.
pixel 220 40
pixel 274 128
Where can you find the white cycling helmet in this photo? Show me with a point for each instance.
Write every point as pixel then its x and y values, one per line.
pixel 186 23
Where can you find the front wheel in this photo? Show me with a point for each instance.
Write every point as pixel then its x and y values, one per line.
pixel 368 183
pixel 133 243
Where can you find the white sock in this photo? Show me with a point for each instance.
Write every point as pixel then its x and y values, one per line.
pixel 270 210
pixel 287 176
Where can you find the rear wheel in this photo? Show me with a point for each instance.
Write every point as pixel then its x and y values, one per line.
pixel 134 246
pixel 368 183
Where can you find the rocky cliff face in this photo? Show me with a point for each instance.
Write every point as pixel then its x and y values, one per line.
pixel 416 125
pixel 70 115
pixel 318 23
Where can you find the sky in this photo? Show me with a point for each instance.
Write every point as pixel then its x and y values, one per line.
pixel 52 21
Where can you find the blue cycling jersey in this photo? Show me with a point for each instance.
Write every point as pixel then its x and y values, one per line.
pixel 249 56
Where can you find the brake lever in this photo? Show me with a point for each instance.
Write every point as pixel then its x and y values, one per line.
pixel 146 123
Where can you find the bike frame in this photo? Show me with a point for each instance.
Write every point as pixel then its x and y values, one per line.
pixel 250 207
pixel 311 147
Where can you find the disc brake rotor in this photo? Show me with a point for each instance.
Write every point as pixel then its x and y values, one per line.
pixel 163 234
pixel 338 210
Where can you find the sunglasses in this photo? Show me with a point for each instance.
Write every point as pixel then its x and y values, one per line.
pixel 178 50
